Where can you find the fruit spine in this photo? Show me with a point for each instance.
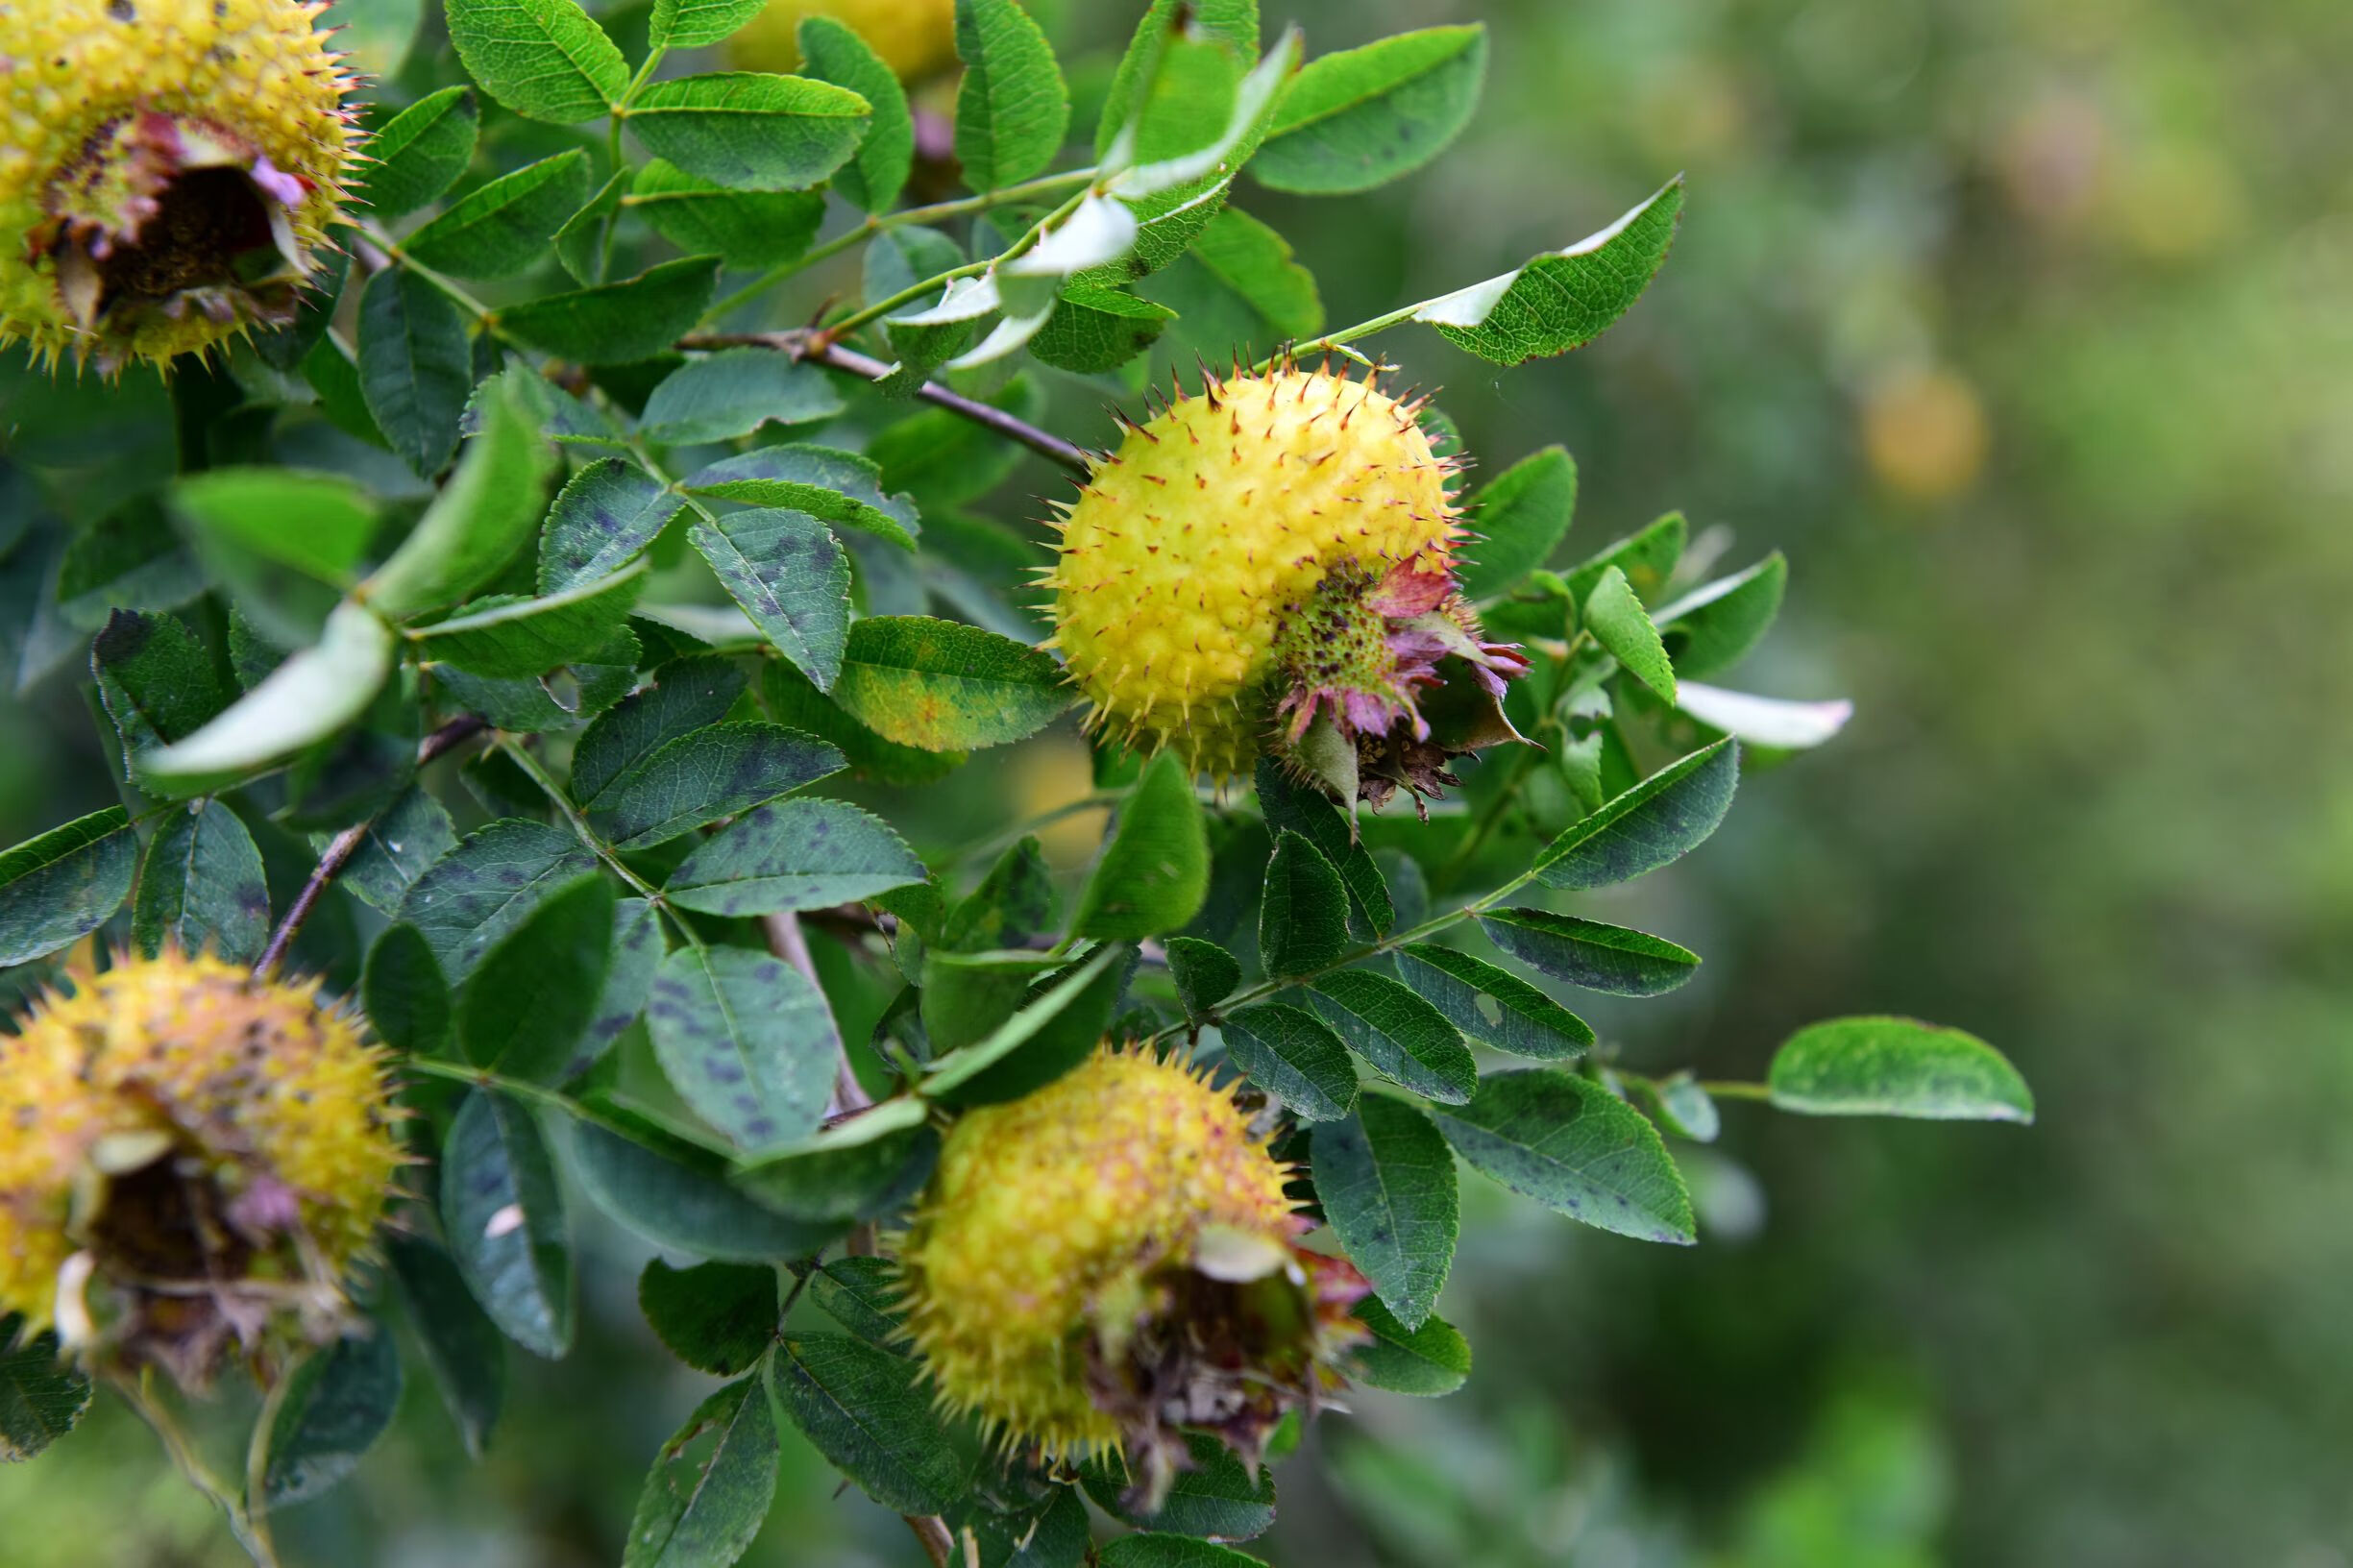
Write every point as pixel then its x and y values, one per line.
pixel 169 169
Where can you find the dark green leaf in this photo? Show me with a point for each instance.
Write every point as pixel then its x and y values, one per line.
pixel 748 131
pixel 792 855
pixel 1426 1363
pixel 1205 975
pixel 701 1509
pixel 415 366
pixel 1713 627
pixel 734 392
pixel 202 887
pixel 704 776
pixel 686 694
pixel 1218 1495
pixel 617 324
pixel 59 888
pixel 1522 515
pixel 697 24
pixel 462 1347
pixel 1590 953
pixel 745 1041
pixel 420 152
pixel 1303 923
pixel 1493 1006
pixel 340 1402
pixel 674 1195
pixel 1563 298
pixel 511 637
pixel 837 486
pixel 481 517
pixel 1668 814
pixel 533 996
pixel 543 58
pixel 1363 117
pixel 42 1397
pixel 503 1216
pixel 943 686
pixel 789 573
pixel 1304 810
pixel 502 227
pixel 1575 1147
pixel 861 1294
pixel 1386 1183
pixel 479 892
pixel 1407 1041
pixel 1614 614
pixel 1095 329
pixel 407 999
pixel 1884 1066
pixel 607 515
pixel 870 1413
pixel 1171 1552
pixel 1012 108
pixel 716 1318
pixel 1295 1057
pixel 830 52
pixel 742 228
pixel 1155 872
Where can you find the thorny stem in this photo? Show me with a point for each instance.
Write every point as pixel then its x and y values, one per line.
pixel 347 844
pixel 819 349
pixel 250 1533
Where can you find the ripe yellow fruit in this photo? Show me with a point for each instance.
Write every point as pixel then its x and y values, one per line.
pixel 1267 563
pixel 189 1154
pixel 915 38
pixel 1114 1257
pixel 167 168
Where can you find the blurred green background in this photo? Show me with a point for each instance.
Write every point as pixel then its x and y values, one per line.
pixel 2025 327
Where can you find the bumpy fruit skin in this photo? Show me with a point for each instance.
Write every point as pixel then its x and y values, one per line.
pixel 1211 529
pixel 166 170
pixel 187 1152
pixel 915 38
pixel 1077 1246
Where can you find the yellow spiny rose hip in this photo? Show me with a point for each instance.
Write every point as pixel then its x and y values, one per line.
pixel 189 1155
pixel 167 168
pixel 915 38
pixel 1112 1258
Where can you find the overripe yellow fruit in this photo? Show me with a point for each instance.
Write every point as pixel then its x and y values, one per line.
pixel 167 168
pixel 1113 1244
pixel 915 38
pixel 187 1154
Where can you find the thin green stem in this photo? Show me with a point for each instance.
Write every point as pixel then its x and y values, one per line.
pixel 192 1468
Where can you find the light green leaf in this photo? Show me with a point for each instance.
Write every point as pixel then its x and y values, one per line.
pixel 1563 298
pixel 742 228
pixel 1657 821
pixel 1885 1067
pixel 1294 1057
pixel 420 152
pixel 1575 1147
pixel 1154 874
pixel 1386 1183
pixel 503 1215
pixel 1493 1006
pixel 1590 953
pixel 1614 614
pixel 314 693
pixel 838 486
pixel 790 576
pixel 793 854
pixel 748 131
pixel 543 58
pixel 1363 117
pixel 1012 108
pixel 1407 1039
pixel 202 887
pixel 481 518
pixel 745 1041
pixel 1521 515
pixel 704 776
pixel 943 686
pixel 614 323
pixel 701 1509
pixel 830 52
pixel 1303 919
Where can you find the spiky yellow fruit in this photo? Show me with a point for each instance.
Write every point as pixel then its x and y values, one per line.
pixel 189 1155
pixel 915 38
pixel 167 168
pixel 1113 1258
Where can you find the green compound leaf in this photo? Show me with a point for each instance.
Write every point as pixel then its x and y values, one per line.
pixel 1522 514
pixel 1363 117
pixel 415 367
pixel 202 888
pixel 870 1413
pixel 1713 627
pixel 734 392
pixel 337 1404
pixel 1404 1039
pixel 1563 298
pixel 716 1318
pixel 607 514
pixel 792 855
pixel 511 637
pixel 1614 614
pixel 838 486
pixel 1205 975
pixel 481 518
pixel 1303 919
pixel 751 131
pixel 543 58
pixel 677 1195
pixel 944 686
pixel 1154 872
pixel 42 1397
pixel 1386 1179
pixel 1590 953
pixel 702 1503
pixel 420 152
pixel 1575 1147
pixel 704 776
pixel 790 576
pixel 536 992
pixel 745 1041
pixel 1493 1006
pixel 503 1215
pixel 697 24
pixel 1657 821
pixel 1159 1551
pixel 614 323
pixel 502 227
pixel 1295 1057
pixel 487 885
pixel 463 1349
pixel 830 52
pixel 1887 1066
pixel 1012 108
pixel 1426 1363
pixel 742 228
